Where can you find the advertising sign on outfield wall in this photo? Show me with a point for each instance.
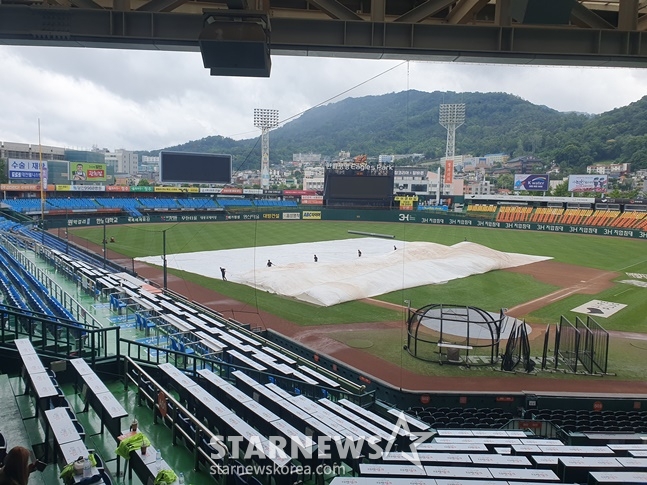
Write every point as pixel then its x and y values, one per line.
pixel 351 215
pixel 531 182
pixel 587 183
pixel 312 214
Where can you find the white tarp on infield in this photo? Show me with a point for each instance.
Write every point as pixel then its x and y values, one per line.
pixel 340 274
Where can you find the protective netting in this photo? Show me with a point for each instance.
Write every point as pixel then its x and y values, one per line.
pixel 340 274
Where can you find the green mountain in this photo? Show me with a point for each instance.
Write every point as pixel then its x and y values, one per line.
pixel 407 122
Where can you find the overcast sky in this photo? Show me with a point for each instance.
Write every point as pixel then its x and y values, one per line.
pixel 146 100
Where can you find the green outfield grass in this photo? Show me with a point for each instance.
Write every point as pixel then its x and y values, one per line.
pixel 624 356
pixel 491 291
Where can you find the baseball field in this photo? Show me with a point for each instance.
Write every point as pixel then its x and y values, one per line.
pixel 583 268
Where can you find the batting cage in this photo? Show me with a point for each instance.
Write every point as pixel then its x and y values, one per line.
pixel 454 334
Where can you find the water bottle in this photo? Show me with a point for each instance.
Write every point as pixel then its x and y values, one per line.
pixel 181 479
pixel 87 468
pixel 158 460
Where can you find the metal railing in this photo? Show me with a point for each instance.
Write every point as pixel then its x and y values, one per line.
pixel 192 363
pixel 539 427
pixel 63 339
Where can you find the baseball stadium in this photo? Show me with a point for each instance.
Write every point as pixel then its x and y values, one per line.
pixel 171 337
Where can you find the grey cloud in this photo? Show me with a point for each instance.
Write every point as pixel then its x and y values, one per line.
pixel 152 99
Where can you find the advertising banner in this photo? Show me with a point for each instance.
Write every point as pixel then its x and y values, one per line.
pixel 449 172
pixel 80 188
pixel 311 215
pixel 531 182
pixel 312 199
pixel 176 190
pixel 291 216
pixel 117 188
pixel 299 192
pixel 142 188
pixel 26 170
pixel 90 172
pixel 587 183
pixel 231 191
pixel 26 187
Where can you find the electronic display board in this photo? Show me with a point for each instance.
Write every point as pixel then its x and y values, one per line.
pixel 362 187
pixel 195 168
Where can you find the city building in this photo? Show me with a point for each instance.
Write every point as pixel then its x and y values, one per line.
pixel 123 161
pixel 30 151
pixel 609 169
pixel 393 158
pixel 480 187
pixel 306 157
pixel 313 178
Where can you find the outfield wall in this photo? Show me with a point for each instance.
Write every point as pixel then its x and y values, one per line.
pixel 417 217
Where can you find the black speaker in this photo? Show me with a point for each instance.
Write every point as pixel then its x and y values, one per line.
pixel 234 48
pixel 551 12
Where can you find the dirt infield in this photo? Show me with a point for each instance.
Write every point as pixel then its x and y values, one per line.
pixel 571 279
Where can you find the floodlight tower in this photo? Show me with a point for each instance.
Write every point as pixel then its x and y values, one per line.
pixel 451 117
pixel 265 119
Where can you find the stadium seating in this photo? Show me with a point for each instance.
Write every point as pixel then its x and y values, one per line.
pixel 481 209
pixel 464 418
pixel 198 204
pixel 546 215
pixel 235 202
pixel 513 214
pixel 274 203
pixel 75 204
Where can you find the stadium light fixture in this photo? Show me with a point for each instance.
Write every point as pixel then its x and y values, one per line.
pixel 265 119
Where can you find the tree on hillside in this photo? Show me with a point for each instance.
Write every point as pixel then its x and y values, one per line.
pixel 143 183
pixel 505 181
pixel 406 122
pixel 561 190
pixel 3 171
pixel 639 159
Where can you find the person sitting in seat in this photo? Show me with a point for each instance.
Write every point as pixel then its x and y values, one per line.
pixel 16 467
